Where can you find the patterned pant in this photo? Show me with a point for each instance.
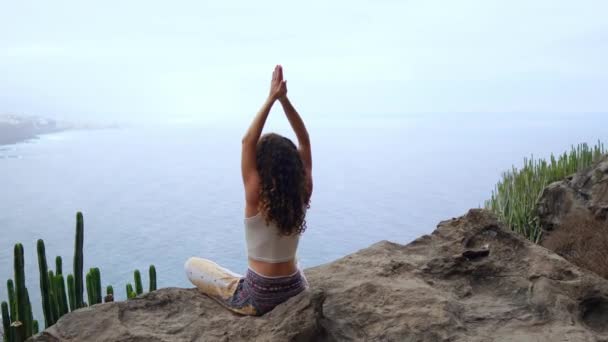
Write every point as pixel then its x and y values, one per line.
pixel 253 294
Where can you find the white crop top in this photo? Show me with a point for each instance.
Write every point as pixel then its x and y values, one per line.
pixel 264 243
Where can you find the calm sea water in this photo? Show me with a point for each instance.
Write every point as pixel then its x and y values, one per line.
pixel 160 194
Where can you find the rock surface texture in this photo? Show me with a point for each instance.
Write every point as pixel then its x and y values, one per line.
pixel 583 195
pixel 470 280
pixel 574 217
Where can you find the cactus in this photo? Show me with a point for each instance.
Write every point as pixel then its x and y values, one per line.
pixel 97 284
pixel 89 281
pixel 17 331
pixel 53 292
pixel 94 286
pixel 29 317
pixel 78 260
pixel 152 278
pixel 35 328
pixel 58 265
pixel 20 290
pixel 62 299
pixel 6 322
pixel 130 293
pixel 109 294
pixel 44 285
pixel 12 298
pixel 139 289
pixel 71 293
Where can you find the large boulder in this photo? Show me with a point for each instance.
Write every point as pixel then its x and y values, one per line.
pixel 470 280
pixel 574 217
pixel 583 195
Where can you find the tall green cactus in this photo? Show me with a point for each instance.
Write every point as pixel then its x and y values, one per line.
pixel 44 285
pixel 53 297
pixel 89 280
pixel 22 312
pixel 63 298
pixel 97 285
pixel 94 286
pixel 139 289
pixel 78 260
pixel 17 331
pixel 152 272
pixel 58 265
pixel 29 316
pixel 12 298
pixel 56 295
pixel 71 292
pixel 6 322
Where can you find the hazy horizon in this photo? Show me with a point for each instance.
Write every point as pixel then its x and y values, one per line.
pixel 190 61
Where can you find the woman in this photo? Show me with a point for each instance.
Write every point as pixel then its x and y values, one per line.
pixel 278 184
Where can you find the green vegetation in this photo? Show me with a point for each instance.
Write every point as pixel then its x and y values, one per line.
pixel 44 284
pixel 17 319
pixel 78 258
pixel 109 294
pixel 152 273
pixel 71 292
pixel 6 321
pixel 94 286
pixel 515 197
pixel 139 289
pixel 130 293
pixel 11 297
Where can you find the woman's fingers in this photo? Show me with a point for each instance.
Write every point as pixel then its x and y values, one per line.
pixel 280 69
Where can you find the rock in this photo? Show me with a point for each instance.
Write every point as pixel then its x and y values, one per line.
pixel 574 217
pixel 584 195
pixel 428 290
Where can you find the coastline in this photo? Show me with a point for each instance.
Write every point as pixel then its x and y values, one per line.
pixel 20 137
pixel 15 129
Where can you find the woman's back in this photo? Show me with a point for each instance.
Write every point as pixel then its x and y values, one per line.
pixel 269 252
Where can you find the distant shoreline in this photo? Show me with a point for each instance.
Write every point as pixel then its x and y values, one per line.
pixel 19 136
pixel 17 129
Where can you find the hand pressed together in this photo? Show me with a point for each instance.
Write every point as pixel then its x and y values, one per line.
pixel 278 86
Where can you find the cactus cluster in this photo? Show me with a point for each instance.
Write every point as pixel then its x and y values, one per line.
pixel 139 288
pixel 93 280
pixel 17 319
pixel 52 288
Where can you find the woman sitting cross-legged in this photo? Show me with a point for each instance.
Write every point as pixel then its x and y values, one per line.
pixel 278 185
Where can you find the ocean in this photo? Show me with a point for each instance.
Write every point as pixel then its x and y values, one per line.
pixel 158 194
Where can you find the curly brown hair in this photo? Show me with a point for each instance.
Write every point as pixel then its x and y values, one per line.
pixel 284 195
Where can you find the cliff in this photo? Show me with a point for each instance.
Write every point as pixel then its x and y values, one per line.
pixel 574 216
pixel 470 280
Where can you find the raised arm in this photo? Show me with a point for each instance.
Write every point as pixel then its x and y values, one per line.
pixel 297 124
pixel 250 139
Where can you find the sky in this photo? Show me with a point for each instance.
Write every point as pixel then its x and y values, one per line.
pixel 200 60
